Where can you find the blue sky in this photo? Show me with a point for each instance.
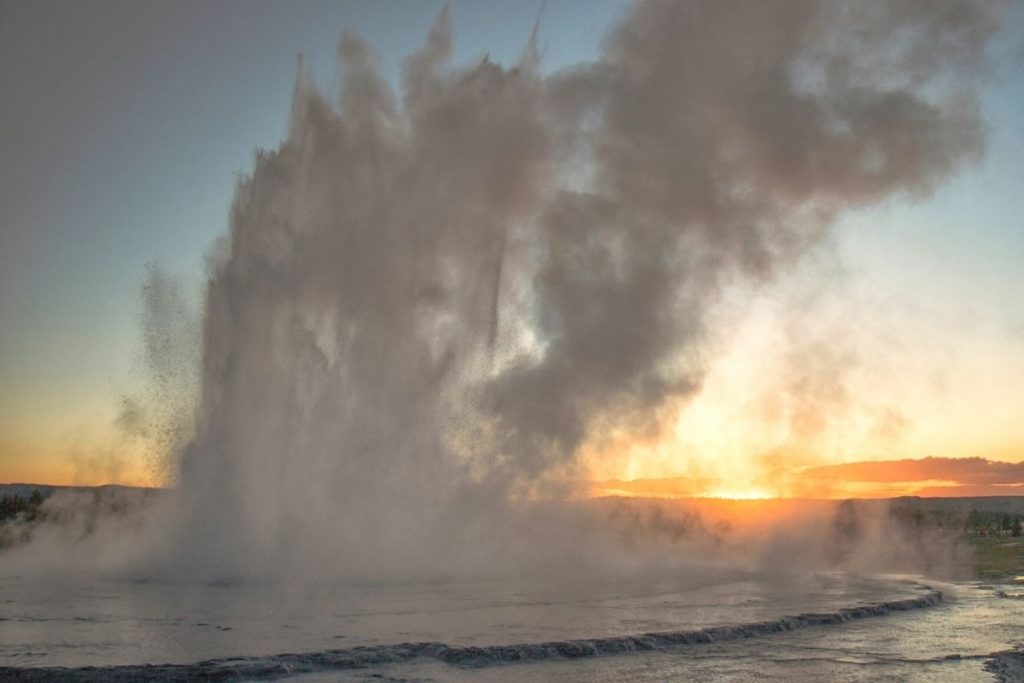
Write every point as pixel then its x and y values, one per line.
pixel 123 125
pixel 123 129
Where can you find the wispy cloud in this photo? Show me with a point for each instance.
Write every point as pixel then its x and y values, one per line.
pixel 977 471
pixel 927 477
pixel 868 479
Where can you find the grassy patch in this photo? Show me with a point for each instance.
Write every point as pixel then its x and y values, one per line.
pixel 998 558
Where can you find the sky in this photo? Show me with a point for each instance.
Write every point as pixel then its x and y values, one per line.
pixel 124 127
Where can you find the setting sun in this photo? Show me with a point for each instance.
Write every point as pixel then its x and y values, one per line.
pixel 740 494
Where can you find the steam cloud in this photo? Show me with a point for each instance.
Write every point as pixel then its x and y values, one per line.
pixel 430 301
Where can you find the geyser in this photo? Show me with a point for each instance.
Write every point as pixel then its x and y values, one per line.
pixel 430 300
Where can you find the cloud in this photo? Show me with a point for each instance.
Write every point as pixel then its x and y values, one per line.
pixel 869 479
pixel 927 476
pixel 961 470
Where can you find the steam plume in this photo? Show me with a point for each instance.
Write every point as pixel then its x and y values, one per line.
pixel 432 300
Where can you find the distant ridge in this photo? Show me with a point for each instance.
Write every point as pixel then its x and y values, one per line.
pixel 23 490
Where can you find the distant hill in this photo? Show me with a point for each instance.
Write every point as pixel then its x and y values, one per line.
pixel 46 490
pixel 1010 504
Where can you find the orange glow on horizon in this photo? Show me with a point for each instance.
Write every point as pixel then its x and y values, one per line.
pixel 80 458
pixel 753 493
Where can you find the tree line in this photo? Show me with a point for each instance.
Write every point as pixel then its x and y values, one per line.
pixel 15 506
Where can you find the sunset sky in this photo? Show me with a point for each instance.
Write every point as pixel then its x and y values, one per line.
pixel 888 362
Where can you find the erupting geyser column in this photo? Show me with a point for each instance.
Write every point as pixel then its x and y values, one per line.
pixel 427 305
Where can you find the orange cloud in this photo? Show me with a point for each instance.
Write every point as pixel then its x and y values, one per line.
pixel 960 471
pixel 930 477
